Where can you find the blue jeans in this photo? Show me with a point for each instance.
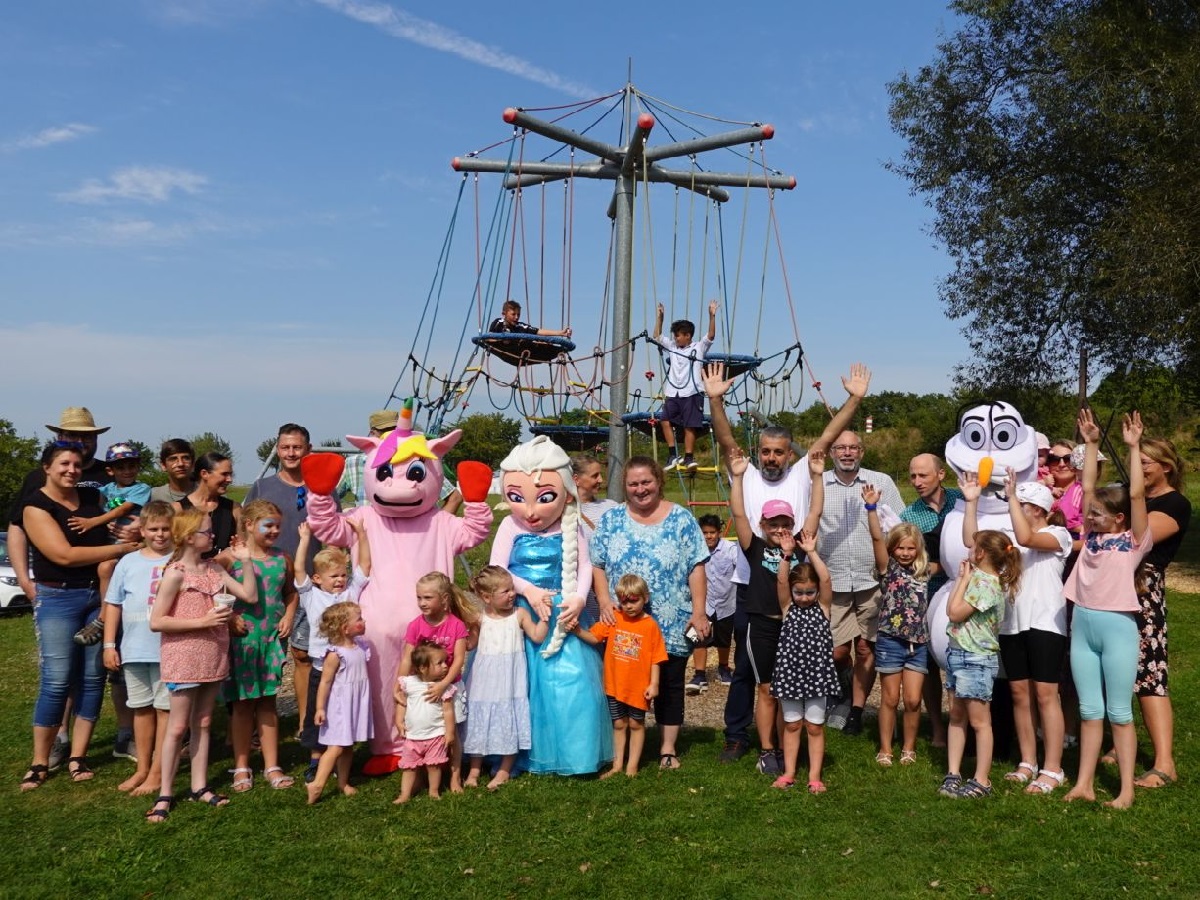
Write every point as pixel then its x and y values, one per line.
pixel 64 668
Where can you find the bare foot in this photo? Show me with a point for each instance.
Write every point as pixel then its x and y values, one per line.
pixel 631 772
pixel 314 792
pixel 472 781
pixel 1079 792
pixel 146 788
pixel 456 787
pixel 497 780
pixel 133 781
pixel 1121 801
pixel 348 791
pixel 609 773
pixel 435 795
pixel 401 799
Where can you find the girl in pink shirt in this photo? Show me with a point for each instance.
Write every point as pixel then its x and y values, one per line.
pixel 451 621
pixel 1104 631
pixel 195 648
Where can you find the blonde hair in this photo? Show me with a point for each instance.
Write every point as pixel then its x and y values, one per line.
pixel 1000 553
pixel 631 585
pixel 457 602
pixel 910 531
pixel 256 510
pixel 336 617
pixel 183 526
pixel 490 579
pixel 1164 453
pixel 331 558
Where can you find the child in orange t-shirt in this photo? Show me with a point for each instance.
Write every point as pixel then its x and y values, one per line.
pixel 633 649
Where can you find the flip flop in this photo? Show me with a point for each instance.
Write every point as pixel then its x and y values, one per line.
pixel 1162 776
pixel 668 761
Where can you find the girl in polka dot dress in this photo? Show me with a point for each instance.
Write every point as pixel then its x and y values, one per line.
pixel 804 676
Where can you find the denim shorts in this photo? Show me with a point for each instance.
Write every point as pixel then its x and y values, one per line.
pixel 893 655
pixel 970 675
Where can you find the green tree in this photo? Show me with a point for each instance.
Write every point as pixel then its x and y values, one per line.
pixel 18 456
pixel 487 437
pixel 1055 142
pixel 210 441
pixel 266 450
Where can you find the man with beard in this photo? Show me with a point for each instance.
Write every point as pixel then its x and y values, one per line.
pixel 775 478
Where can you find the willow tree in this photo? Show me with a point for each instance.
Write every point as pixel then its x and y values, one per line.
pixel 1056 143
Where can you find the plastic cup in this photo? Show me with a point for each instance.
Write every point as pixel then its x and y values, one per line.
pixel 226 600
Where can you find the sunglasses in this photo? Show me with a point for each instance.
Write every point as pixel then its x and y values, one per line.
pixel 60 444
pixel 301 497
pixel 1053 459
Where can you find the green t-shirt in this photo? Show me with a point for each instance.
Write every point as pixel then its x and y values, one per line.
pixel 978 634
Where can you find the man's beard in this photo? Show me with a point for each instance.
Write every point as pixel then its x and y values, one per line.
pixel 773 474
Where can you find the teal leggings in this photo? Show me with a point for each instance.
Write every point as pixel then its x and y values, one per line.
pixel 1104 660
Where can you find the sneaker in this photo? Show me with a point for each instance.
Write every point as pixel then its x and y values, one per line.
pixel 950 785
pixel 854 725
pixel 768 763
pixel 733 751
pixel 724 675
pixel 90 633
pixel 838 715
pixel 698 685
pixel 123 747
pixel 310 772
pixel 58 752
pixel 673 462
pixel 690 463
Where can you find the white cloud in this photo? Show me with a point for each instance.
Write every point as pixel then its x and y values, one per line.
pixel 408 27
pixel 47 137
pixel 146 184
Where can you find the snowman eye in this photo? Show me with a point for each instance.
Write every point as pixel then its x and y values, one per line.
pixel 1004 434
pixel 974 435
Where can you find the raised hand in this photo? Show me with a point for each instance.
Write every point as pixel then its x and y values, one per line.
pixel 816 462
pixel 712 307
pixel 738 464
pixel 305 531
pixel 807 542
pixel 1088 427
pixel 858 381
pixel 870 494
pixel 1010 480
pixel 1131 428
pixel 715 382
pixel 787 543
pixel 970 486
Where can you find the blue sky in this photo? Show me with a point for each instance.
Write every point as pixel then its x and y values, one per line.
pixel 226 214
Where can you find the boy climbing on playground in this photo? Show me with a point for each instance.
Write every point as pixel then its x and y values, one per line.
pixel 509 321
pixel 684 390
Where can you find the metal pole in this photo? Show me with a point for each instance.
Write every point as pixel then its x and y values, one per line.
pixel 618 374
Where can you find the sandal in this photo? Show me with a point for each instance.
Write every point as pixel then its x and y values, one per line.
pixel 816 787
pixel 1163 778
pixel 35 777
pixel 668 761
pixel 783 782
pixel 1021 777
pixel 950 785
pixel 908 757
pixel 156 815
pixel 280 781
pixel 209 796
pixel 973 790
pixel 1037 786
pixel 884 759
pixel 80 770
pixel 243 780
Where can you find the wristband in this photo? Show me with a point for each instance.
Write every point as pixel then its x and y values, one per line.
pixel 109 645
pixel 870 506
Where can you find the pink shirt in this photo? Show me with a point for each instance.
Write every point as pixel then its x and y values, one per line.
pixel 201 655
pixel 1070 504
pixel 1103 577
pixel 445 634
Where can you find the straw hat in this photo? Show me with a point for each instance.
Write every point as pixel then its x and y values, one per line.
pixel 77 418
pixel 383 419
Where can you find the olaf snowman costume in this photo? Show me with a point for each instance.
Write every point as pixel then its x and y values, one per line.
pixel 992 432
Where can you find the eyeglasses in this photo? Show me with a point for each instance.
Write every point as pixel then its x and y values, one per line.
pixel 1053 459
pixel 845 448
pixel 301 497
pixel 208 532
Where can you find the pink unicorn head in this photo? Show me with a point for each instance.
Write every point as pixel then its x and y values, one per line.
pixel 403 476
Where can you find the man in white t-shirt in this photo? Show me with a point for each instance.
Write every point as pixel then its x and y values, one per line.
pixel 774 478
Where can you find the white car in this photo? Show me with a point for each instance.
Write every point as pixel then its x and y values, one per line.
pixel 12 598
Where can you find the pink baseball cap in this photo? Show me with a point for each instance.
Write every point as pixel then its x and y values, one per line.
pixel 774 508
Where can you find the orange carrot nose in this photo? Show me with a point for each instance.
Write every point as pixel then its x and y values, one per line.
pixel 985 470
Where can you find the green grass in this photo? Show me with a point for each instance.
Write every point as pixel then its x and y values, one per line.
pixel 707 830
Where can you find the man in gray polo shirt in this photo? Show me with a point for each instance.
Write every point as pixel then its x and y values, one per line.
pixel 846 547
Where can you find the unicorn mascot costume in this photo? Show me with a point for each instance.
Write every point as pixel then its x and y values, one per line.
pixel 542 546
pixel 991 438
pixel 409 535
